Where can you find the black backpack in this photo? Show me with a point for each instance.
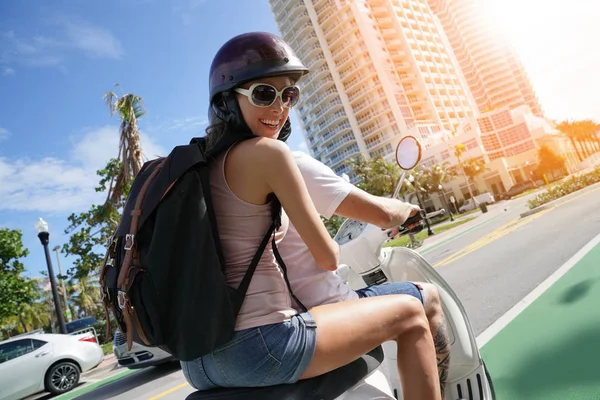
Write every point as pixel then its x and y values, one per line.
pixel 163 276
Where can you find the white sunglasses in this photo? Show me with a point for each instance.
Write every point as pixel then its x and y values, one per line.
pixel 264 95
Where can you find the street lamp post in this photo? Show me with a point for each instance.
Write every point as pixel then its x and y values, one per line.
pixel 42 228
pixel 441 189
pixel 430 231
pixel 62 282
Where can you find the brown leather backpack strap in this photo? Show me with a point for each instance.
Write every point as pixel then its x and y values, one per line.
pixel 133 229
pixel 107 315
pixel 123 282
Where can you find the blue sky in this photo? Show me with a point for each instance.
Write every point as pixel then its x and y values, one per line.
pixel 58 58
pixel 56 62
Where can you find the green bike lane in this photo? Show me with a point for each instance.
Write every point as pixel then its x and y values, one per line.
pixel 548 346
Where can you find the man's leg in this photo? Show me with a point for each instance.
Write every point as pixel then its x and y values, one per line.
pixel 430 297
pixel 439 330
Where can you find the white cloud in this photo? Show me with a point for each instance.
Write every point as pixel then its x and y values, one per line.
pixel 186 9
pixel 6 71
pixel 4 133
pixel 63 186
pixel 182 124
pixel 93 41
pixel 94 147
pixel 74 36
pixel 197 3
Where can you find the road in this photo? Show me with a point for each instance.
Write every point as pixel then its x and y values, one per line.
pixel 492 263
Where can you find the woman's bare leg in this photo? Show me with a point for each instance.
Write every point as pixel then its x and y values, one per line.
pixel 347 330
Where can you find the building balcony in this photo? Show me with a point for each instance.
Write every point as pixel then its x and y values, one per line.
pixel 340 129
pixel 339 145
pixel 380 11
pixel 326 111
pixel 292 18
pixel 316 62
pixel 307 42
pixel 343 156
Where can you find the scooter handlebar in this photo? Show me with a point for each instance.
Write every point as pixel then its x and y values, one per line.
pixel 413 224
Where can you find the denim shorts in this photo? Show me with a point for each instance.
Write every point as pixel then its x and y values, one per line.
pixel 262 356
pixel 412 289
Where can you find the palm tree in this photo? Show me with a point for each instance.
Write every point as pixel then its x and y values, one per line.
pixel 569 129
pixel 588 130
pixel 458 152
pixel 377 175
pixel 438 174
pixel 88 295
pixel 34 316
pixel 129 108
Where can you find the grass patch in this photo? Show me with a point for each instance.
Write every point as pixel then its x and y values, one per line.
pixel 107 348
pixel 421 236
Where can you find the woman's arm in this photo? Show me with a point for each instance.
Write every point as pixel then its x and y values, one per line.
pixel 276 164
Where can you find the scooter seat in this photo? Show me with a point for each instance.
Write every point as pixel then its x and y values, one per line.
pixel 324 387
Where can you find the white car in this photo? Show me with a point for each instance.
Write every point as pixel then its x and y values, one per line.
pixel 486 198
pixel 139 356
pixel 42 361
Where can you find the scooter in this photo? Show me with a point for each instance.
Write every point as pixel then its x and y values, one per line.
pixel 366 262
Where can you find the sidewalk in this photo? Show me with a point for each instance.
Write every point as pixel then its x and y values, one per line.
pixel 551 349
pixel 109 363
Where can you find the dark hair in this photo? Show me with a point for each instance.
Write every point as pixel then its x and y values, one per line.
pixel 215 132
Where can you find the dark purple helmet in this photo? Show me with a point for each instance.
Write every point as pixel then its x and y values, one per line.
pixel 250 56
pixel 245 58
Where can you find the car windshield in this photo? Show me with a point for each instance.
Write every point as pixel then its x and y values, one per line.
pixel 80 324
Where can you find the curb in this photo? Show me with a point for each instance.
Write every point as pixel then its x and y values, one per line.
pixel 536 210
pixel 561 200
pixel 109 364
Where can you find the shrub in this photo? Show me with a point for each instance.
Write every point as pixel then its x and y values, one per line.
pixel 565 187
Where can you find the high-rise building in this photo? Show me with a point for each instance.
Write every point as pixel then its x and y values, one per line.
pixel 493 71
pixel 379 69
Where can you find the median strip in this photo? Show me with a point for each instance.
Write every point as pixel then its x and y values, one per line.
pixel 86 388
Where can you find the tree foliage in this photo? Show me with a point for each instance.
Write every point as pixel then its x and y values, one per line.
pixel 15 289
pixel 90 230
pixel 583 135
pixel 378 176
pixel 438 174
pixel 549 161
pixel 473 167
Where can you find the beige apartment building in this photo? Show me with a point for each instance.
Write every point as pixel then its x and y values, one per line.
pixel 493 71
pixel 379 70
pixel 507 140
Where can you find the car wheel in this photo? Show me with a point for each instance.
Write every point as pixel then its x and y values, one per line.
pixel 62 377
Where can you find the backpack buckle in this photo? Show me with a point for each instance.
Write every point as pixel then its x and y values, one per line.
pixel 122 299
pixel 129 241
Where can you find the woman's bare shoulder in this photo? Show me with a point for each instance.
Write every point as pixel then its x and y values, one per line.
pixel 261 151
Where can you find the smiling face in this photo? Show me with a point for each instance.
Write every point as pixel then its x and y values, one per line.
pixel 265 121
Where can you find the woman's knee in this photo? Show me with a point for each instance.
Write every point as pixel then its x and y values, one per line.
pixel 414 319
pixel 431 299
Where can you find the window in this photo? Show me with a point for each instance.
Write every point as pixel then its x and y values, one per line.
pixel 471 144
pixel 502 120
pixel 80 324
pixel 485 125
pixel 18 348
pixel 490 142
pixel 514 135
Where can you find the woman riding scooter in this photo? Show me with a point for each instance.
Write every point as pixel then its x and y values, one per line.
pixel 252 89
